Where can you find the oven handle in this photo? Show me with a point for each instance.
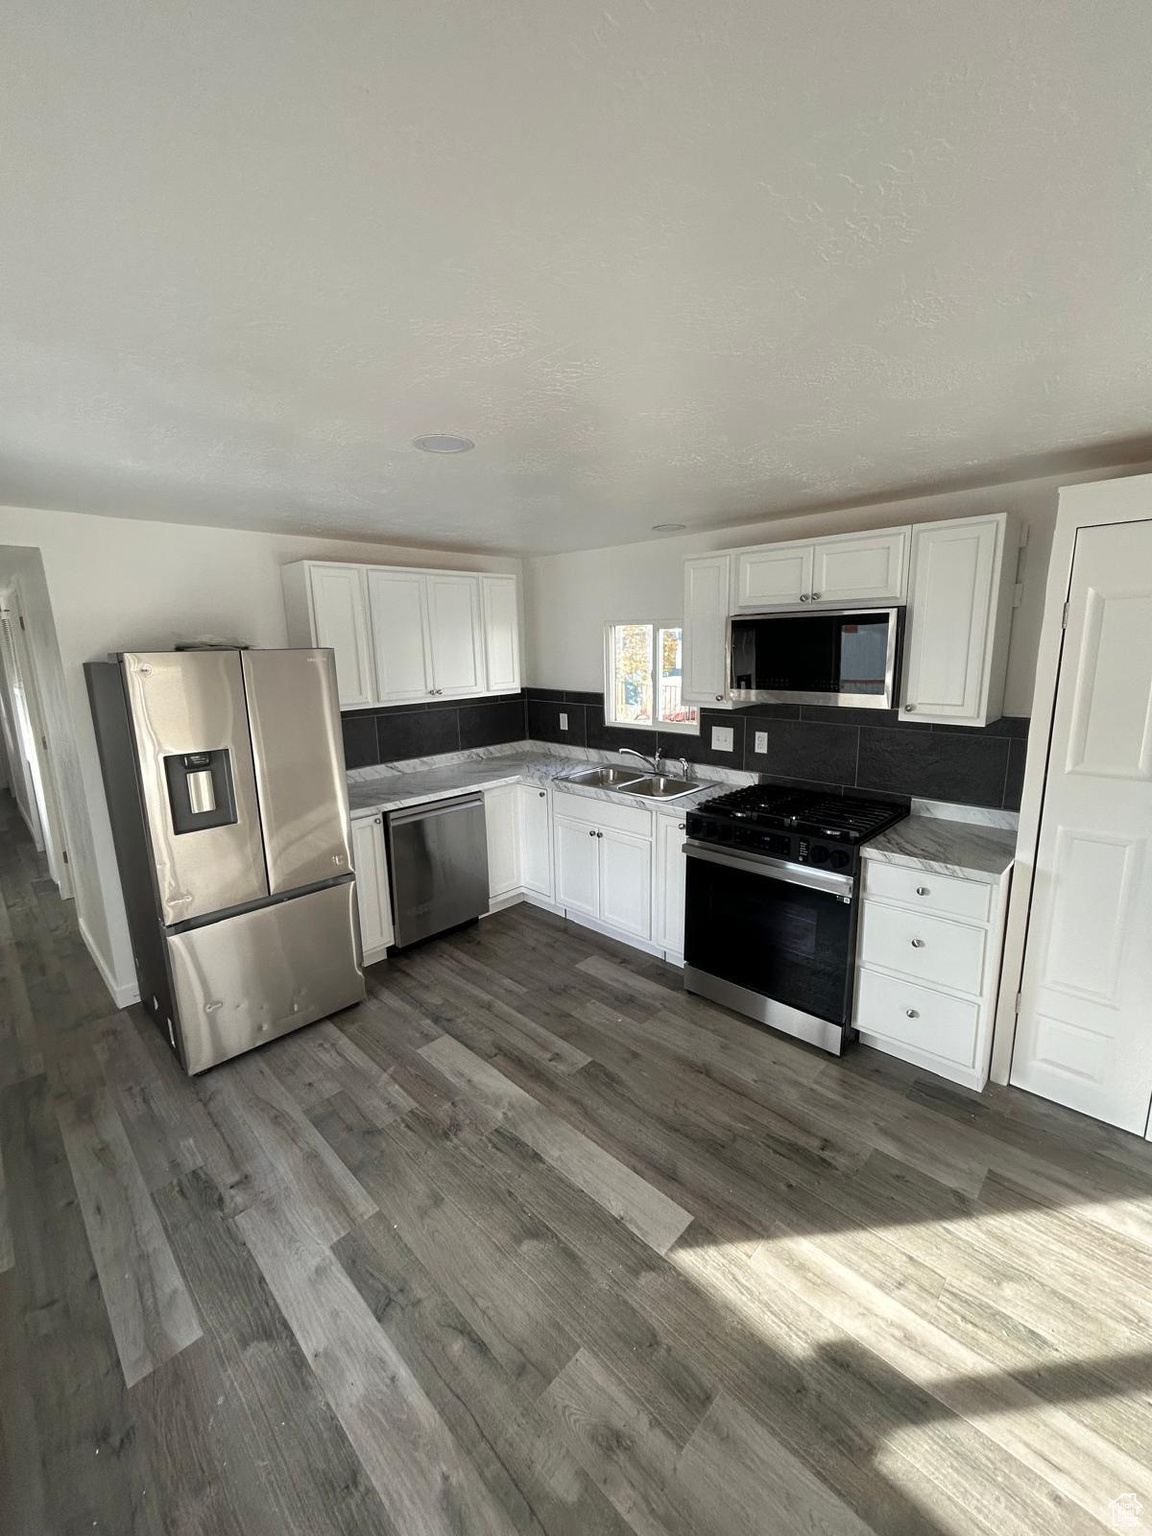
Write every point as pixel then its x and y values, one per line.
pixel 842 886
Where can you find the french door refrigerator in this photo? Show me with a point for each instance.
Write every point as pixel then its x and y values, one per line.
pixel 224 774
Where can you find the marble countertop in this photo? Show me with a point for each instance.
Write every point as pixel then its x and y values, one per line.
pixel 392 791
pixel 963 848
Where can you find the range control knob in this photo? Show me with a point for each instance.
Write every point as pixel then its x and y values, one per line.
pixel 819 854
pixel 839 858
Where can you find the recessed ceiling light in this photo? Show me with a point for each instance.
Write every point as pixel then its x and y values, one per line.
pixel 667 527
pixel 437 442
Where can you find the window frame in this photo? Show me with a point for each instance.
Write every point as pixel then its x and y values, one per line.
pixel 657 727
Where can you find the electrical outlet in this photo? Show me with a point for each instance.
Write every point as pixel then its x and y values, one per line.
pixel 563 721
pixel 760 742
pixel 722 738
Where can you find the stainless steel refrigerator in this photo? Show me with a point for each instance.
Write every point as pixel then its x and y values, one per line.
pixel 224 773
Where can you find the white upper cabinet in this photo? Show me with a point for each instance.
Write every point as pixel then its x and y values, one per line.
pixel 401 634
pixel 398 602
pixel 861 568
pixel 500 612
pixel 959 617
pixel 455 641
pixel 707 579
pixel 328 605
pixel 777 576
pixel 843 571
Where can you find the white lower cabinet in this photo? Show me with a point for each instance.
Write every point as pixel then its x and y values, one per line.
pixel 502 823
pixel 373 900
pixel 603 854
pixel 671 872
pixel 577 865
pixel 928 962
pixel 626 882
pixel 534 819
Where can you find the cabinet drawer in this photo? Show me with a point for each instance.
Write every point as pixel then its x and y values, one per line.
pixel 602 813
pixel 968 899
pixel 909 1014
pixel 930 949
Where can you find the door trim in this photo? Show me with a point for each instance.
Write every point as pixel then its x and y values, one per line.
pixel 1093 505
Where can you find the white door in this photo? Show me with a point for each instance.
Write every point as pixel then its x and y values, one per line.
pixel 670 881
pixel 535 840
pixel 455 638
pixel 502 821
pixel 372 896
pixel 777 576
pixel 861 568
pixel 501 617
pixel 340 620
pixel 951 606
pixel 706 601
pixel 626 882
pixel 398 605
pixel 577 866
pixel 1084 1036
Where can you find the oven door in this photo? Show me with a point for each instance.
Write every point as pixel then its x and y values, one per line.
pixel 777 930
pixel 849 658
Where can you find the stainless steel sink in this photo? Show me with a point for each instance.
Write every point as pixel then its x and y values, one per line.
pixel 657 787
pixel 604 778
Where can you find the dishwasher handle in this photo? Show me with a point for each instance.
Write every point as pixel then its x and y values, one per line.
pixel 435 808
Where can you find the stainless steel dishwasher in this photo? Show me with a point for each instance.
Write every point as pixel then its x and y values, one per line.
pixel 438 866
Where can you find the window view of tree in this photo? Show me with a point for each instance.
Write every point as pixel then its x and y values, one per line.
pixel 644 687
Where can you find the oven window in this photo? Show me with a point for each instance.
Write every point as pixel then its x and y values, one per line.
pixel 783 941
pixel 826 653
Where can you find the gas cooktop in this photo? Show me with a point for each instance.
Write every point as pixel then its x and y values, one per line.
pixel 802 825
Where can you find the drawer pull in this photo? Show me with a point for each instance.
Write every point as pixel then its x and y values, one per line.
pixel 922 890
pixel 917 943
pixel 911 1013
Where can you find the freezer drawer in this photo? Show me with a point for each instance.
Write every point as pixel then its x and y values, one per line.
pixel 299 758
pixel 249 978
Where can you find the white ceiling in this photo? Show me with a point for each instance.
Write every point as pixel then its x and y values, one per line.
pixel 702 261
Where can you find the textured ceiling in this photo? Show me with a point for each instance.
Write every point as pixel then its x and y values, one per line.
pixel 700 261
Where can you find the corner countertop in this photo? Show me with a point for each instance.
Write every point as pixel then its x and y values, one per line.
pixel 392 790
pixel 966 849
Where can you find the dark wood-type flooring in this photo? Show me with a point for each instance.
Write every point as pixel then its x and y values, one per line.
pixel 532 1242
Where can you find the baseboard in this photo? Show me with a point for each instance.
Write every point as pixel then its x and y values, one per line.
pixel 967 1077
pixel 612 933
pixel 122 996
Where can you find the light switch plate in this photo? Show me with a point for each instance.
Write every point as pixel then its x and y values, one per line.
pixel 563 721
pixel 722 738
pixel 760 742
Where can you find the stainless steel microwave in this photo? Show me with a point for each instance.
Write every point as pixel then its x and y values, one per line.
pixel 838 656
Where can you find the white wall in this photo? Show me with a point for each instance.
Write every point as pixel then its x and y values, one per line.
pixel 115 585
pixel 570 597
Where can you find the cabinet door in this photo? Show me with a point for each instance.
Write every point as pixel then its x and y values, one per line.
pixel 774 577
pixel 455 638
pixel 535 839
pixel 626 882
pixel 501 615
pixel 670 880
pixel 502 823
pixel 372 895
pixel 397 601
pixel 706 598
pixel 951 613
pixel 577 866
pixel 861 568
pixel 340 620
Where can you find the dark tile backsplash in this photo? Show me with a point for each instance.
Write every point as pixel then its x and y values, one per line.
pixel 871 751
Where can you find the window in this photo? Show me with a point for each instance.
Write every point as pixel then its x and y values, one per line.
pixel 643 673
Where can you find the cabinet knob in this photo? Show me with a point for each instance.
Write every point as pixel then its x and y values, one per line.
pixel 680 825
pixel 543 794
pixel 592 834
pixel 908 708
pixel 917 943
pixel 815 597
pixel 377 819
pixel 599 834
pixel 911 1013
pixel 719 698
pixel 921 890
pixel 803 597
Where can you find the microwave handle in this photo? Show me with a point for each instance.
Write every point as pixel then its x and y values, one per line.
pixel 769 868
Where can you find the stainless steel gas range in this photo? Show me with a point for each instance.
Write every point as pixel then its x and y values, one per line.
pixel 772 896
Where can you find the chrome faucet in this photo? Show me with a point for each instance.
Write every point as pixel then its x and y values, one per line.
pixel 654 764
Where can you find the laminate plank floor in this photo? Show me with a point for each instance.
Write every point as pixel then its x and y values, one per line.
pixel 531 1241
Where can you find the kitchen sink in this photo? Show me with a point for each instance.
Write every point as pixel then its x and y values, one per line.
pixel 604 778
pixel 657 787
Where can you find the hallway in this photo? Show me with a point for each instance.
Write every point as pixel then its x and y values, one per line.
pixel 533 1242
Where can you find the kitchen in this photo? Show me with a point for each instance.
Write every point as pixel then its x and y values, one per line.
pixel 574 772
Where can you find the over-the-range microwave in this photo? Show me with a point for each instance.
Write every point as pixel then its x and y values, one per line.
pixel 839 656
